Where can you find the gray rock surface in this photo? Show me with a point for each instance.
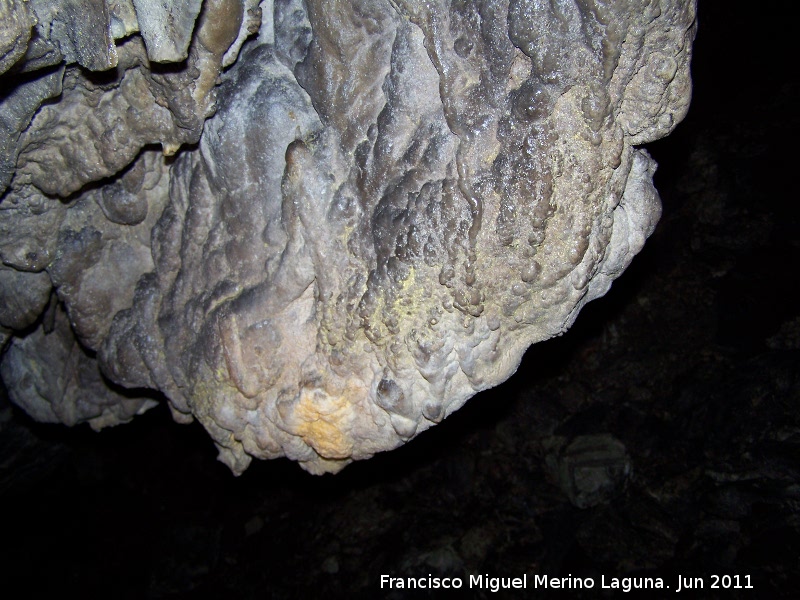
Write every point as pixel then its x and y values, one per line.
pixel 390 203
pixel 167 27
pixel 16 32
pixel 56 380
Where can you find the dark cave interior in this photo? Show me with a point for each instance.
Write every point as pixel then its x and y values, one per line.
pixel 692 361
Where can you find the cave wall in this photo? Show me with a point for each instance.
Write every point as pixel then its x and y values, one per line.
pixel 316 227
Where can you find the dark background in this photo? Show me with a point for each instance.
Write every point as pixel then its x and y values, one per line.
pixel 691 361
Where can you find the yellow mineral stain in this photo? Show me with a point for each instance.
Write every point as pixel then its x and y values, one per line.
pixel 322 420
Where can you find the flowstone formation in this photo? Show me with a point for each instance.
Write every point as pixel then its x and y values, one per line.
pixel 318 227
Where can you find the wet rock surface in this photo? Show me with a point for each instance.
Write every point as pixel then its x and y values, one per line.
pixel 691 362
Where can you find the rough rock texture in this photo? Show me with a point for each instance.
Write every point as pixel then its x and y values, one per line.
pixel 392 201
pixel 679 362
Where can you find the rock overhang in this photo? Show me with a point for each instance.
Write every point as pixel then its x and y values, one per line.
pixel 370 215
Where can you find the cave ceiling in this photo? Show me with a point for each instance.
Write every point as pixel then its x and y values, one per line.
pixel 317 227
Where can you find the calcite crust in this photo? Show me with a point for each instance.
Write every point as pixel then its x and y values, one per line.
pixel 317 227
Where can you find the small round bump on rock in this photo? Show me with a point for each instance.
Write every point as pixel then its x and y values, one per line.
pixel 433 411
pixel 531 272
pixel 463 47
pixel 446 276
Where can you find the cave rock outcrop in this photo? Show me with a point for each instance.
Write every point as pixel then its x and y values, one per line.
pixel 318 227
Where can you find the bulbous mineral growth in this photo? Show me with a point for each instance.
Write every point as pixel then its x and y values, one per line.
pixel 369 215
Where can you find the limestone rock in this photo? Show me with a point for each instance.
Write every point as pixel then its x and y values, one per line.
pixel 167 27
pixel 56 380
pixel 382 204
pixel 17 24
pixel 23 297
pixel 16 111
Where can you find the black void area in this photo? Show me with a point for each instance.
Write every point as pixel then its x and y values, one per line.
pixel 691 361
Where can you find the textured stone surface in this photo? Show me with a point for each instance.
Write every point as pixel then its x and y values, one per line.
pixel 167 27
pixel 56 380
pixel 23 297
pixel 679 362
pixel 16 31
pixel 391 202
